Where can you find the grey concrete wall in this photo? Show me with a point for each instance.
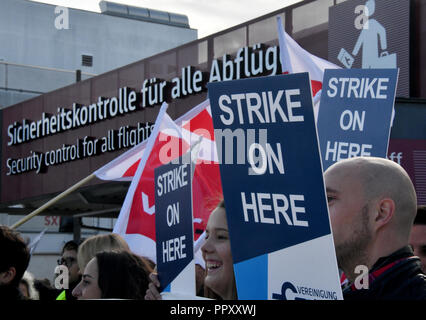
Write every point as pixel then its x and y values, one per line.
pixel 8 97
pixel 28 35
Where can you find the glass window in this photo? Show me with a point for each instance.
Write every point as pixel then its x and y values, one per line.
pixel 202 53
pixel 311 15
pixel 229 42
pixel 162 66
pixel 194 55
pixel 264 31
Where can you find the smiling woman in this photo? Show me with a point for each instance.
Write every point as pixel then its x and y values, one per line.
pixel 217 255
pixel 219 280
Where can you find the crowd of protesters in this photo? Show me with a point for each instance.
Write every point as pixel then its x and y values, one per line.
pixel 374 218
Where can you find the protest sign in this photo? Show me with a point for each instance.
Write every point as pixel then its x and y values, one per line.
pixel 174 226
pixel 356 113
pixel 273 187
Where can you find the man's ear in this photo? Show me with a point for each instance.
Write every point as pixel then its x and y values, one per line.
pixel 7 276
pixel 385 212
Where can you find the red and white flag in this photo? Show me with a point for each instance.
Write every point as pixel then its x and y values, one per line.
pixel 168 140
pixel 136 221
pixel 123 168
pixel 295 59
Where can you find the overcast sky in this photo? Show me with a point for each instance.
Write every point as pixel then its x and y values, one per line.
pixel 207 16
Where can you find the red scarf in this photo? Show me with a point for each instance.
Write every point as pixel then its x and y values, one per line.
pixel 373 275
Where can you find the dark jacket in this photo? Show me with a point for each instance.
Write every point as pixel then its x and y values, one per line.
pixel 9 293
pixel 402 279
pixel 45 290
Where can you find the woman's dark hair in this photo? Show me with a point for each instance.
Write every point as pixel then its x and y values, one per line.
pixel 14 253
pixel 122 275
pixel 70 245
pixel 209 293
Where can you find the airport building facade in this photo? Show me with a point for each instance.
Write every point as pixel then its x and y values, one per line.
pixel 54 140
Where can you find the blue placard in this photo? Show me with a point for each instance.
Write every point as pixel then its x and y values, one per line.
pixel 271 173
pixel 355 113
pixel 173 220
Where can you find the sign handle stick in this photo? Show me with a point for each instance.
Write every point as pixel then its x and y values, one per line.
pixel 52 201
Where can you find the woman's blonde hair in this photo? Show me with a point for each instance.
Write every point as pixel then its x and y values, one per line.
pixel 102 242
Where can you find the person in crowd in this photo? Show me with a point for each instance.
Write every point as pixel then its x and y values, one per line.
pixel 372 205
pixel 26 285
pixel 114 275
pixel 101 242
pixel 69 259
pixel 46 291
pixel 219 280
pixel 13 263
pixel 418 235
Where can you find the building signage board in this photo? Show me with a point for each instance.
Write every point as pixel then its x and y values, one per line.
pixel 274 193
pixel 81 127
pixel 355 114
pixel 372 34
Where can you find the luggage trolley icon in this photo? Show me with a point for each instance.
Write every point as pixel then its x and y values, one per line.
pixel 372 55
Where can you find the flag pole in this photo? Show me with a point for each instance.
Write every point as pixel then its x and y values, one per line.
pixel 52 201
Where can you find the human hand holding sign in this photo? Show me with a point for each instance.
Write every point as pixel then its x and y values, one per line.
pixel 152 291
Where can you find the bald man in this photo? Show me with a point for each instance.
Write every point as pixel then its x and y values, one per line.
pixel 372 204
